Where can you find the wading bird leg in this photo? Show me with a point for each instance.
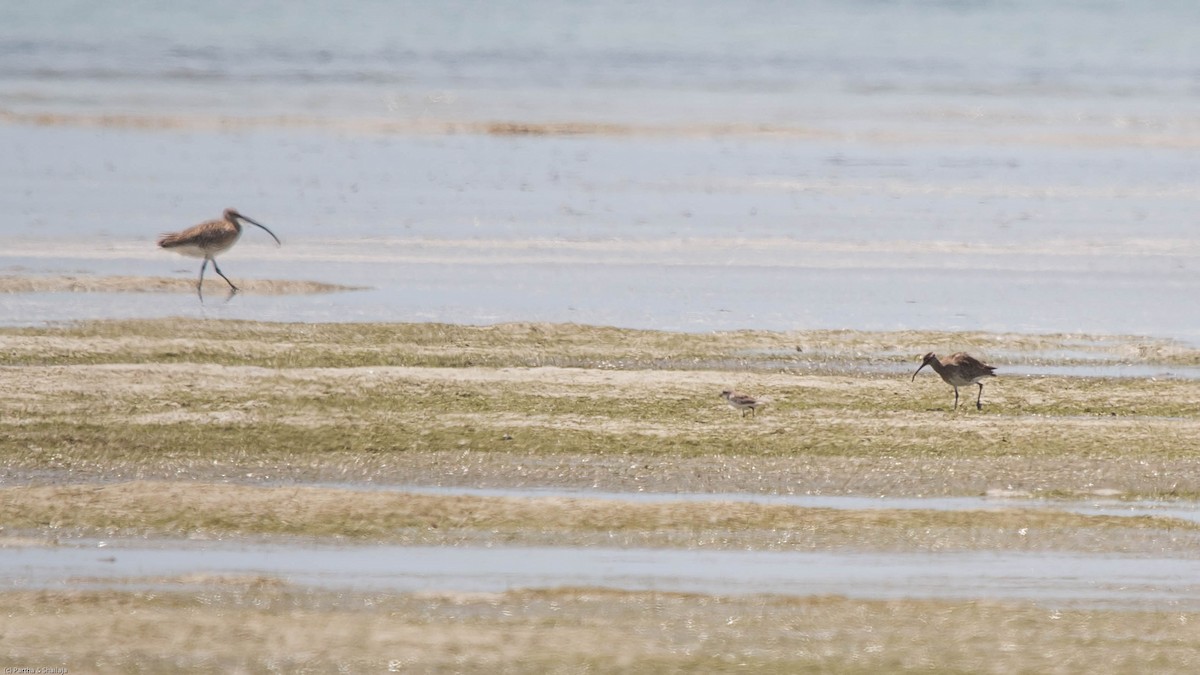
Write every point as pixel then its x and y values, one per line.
pixel 218 269
pixel 200 283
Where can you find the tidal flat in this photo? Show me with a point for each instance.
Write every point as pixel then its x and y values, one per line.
pixel 174 433
pixel 558 405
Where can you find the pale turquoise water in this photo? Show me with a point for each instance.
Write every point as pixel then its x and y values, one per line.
pixel 850 62
pixel 945 165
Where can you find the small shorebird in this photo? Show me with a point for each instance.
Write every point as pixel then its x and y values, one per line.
pixel 209 239
pixel 959 370
pixel 742 402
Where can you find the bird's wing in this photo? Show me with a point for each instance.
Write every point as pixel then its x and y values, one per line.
pixel 961 359
pixel 970 362
pixel 197 235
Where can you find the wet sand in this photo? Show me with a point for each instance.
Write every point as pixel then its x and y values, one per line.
pixel 133 284
pixel 376 126
pixel 214 624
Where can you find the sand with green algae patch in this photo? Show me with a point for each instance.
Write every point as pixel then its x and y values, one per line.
pixel 258 625
pixel 578 406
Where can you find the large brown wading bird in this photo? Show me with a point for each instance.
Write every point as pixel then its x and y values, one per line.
pixel 959 370
pixel 209 239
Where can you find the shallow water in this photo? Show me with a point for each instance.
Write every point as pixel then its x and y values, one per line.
pixel 949 166
pixel 1110 506
pixel 1053 579
pixel 689 241
pixel 929 66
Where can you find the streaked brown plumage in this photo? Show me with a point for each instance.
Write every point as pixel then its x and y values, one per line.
pixel 959 370
pixel 209 239
pixel 742 402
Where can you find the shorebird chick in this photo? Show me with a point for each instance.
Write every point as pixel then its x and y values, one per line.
pixel 959 370
pixel 209 239
pixel 742 402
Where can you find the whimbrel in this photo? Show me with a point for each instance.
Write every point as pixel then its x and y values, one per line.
pixel 959 370
pixel 209 239
pixel 742 402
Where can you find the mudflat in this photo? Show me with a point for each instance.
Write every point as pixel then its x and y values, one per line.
pixel 354 435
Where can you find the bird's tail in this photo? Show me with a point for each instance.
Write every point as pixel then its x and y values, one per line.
pixel 169 240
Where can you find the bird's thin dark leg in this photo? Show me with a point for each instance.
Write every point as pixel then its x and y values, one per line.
pixel 979 400
pixel 218 269
pixel 200 284
pixel 956 398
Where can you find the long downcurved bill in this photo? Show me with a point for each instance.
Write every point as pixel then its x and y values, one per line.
pixel 254 222
pixel 914 377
